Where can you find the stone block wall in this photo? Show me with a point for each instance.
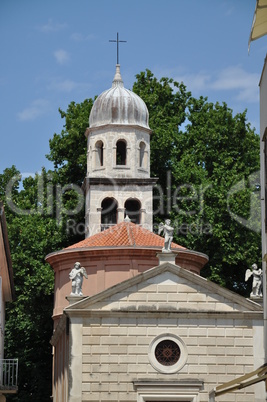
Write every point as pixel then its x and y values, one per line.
pixel 109 137
pixel 98 193
pixel 116 354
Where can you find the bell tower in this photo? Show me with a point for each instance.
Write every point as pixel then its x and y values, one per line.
pixel 118 183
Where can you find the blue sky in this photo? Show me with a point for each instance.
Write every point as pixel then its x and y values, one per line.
pixel 57 51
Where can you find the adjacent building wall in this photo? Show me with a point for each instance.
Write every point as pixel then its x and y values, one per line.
pixel 263 160
pixel 7 290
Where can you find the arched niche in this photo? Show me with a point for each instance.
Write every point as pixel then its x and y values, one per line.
pixel 99 154
pixel 142 155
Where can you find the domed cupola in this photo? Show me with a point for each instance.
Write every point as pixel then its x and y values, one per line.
pixel 119 105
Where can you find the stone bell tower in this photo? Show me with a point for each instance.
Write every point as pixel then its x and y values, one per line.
pixel 118 183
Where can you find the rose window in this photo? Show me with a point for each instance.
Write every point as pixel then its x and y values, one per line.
pixel 167 352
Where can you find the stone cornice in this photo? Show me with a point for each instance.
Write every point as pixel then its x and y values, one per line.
pixel 148 384
pixel 125 127
pixel 195 315
pixel 248 305
pixel 119 181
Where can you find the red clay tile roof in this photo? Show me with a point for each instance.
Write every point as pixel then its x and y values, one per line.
pixel 124 234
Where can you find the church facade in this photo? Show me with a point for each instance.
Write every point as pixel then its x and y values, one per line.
pixel 146 326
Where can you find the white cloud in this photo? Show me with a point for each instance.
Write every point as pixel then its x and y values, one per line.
pixel 51 26
pixel 66 85
pixel 193 81
pixel 38 108
pixel 231 78
pixel 196 82
pixel 61 56
pixel 242 84
pixel 77 36
pixel 80 37
pixel 63 86
pixel 235 78
pixel 229 10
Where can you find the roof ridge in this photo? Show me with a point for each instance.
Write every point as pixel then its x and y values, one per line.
pixel 132 240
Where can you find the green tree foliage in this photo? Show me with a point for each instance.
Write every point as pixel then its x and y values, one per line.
pixel 33 233
pixel 166 101
pixel 219 155
pixel 68 149
pixel 68 152
pixel 207 161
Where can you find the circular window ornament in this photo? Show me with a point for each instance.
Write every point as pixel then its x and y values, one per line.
pixel 167 353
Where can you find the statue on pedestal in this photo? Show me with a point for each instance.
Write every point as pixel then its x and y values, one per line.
pixel 257 280
pixel 168 235
pixel 76 276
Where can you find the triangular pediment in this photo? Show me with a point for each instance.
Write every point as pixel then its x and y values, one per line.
pixel 166 287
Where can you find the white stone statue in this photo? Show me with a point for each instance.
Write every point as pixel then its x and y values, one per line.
pixel 76 276
pixel 168 235
pixel 257 280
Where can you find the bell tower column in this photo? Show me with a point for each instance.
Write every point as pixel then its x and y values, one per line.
pixel 121 212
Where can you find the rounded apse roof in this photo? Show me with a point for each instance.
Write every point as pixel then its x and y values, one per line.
pixel 124 234
pixel 118 105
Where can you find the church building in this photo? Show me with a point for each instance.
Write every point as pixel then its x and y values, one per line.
pixel 133 320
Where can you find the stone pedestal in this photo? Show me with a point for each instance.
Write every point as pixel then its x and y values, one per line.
pixel 257 299
pixel 74 299
pixel 166 257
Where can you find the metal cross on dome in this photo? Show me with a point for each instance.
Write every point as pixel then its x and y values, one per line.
pixel 118 41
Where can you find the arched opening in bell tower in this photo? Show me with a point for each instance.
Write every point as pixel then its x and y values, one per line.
pixel 109 208
pixel 121 152
pixel 133 210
